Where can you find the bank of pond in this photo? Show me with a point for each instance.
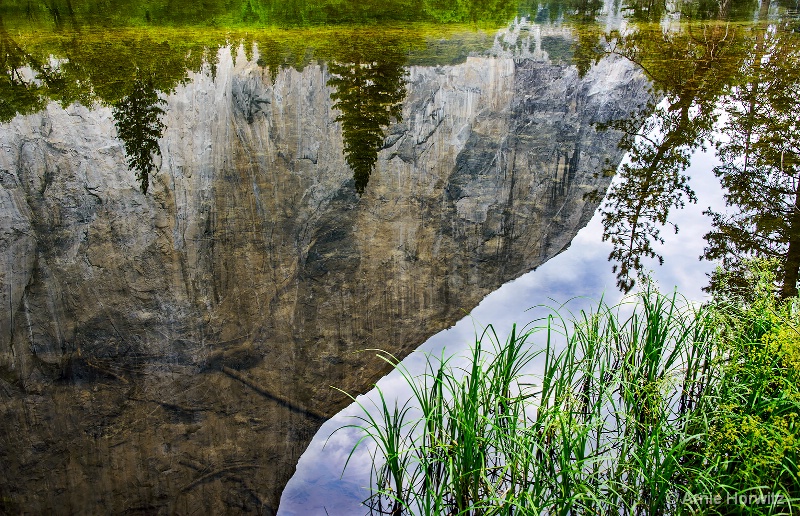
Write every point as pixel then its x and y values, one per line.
pixel 653 406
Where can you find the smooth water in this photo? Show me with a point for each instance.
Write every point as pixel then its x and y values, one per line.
pixel 210 214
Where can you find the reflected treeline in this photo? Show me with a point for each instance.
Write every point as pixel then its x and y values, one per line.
pixel 693 69
pixel 133 72
pixel 231 13
pixel 760 169
pixel 698 10
pixel 19 94
pixel 65 60
pixel 125 73
pixel 369 91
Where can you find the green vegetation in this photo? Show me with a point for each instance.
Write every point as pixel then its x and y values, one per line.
pixel 651 407
pixel 76 14
pixel 752 414
pixel 690 71
pixel 370 89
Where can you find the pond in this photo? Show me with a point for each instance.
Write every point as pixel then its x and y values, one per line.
pixel 210 216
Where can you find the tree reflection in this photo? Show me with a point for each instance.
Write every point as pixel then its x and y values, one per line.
pixel 760 168
pixel 650 184
pixel 369 92
pixel 126 74
pixel 690 69
pixel 138 120
pixel 753 75
pixel 18 94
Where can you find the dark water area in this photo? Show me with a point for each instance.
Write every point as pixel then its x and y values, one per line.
pixel 210 214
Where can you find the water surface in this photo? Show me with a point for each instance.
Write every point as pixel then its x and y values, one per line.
pixel 210 215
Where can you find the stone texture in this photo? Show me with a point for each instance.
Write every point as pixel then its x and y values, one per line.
pixel 175 352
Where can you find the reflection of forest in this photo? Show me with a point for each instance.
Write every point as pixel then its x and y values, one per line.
pixel 751 72
pixel 51 58
pixel 62 62
pixel 17 93
pixel 760 168
pixel 131 72
pixel 285 13
pixel 304 13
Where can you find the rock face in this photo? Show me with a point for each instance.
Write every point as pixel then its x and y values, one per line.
pixel 175 352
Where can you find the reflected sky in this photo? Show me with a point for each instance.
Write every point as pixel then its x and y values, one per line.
pixel 579 277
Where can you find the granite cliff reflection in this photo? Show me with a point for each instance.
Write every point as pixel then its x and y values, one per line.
pixel 189 337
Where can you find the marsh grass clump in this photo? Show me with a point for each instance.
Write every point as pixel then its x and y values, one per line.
pixel 651 407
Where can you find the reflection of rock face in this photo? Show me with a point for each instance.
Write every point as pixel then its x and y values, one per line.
pixel 174 352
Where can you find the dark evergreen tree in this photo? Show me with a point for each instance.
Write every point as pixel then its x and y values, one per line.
pixel 369 94
pixel 138 120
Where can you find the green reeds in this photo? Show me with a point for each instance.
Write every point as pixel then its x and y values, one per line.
pixel 607 412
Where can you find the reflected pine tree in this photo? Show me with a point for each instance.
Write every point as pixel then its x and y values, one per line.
pixel 139 126
pixel 760 168
pixel 650 183
pixel 369 91
pixel 690 71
